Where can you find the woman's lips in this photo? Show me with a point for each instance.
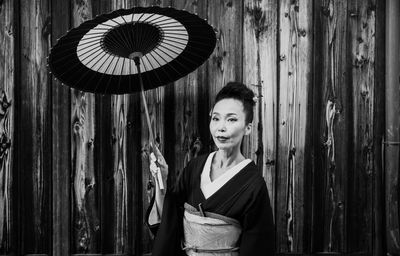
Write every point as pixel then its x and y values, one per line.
pixel 222 138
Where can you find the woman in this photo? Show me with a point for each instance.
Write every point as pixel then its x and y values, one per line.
pixel 219 204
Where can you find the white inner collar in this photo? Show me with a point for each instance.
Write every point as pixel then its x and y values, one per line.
pixel 209 187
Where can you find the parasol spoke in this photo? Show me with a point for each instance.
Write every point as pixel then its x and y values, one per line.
pixel 178 51
pixel 120 35
pixel 88 54
pixel 169 49
pixel 114 68
pixel 173 41
pixel 155 59
pixel 167 74
pixel 127 36
pixel 103 73
pixel 178 34
pixel 145 34
pixel 136 37
pixel 94 61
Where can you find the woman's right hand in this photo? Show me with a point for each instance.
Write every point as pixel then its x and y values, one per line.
pixel 159 162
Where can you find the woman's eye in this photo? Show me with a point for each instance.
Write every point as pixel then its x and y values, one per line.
pixel 214 118
pixel 232 120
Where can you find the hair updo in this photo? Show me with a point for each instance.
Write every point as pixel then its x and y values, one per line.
pixel 240 92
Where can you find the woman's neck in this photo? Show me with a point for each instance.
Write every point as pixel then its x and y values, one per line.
pixel 225 159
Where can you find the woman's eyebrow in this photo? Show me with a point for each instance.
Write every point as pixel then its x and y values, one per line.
pixel 227 114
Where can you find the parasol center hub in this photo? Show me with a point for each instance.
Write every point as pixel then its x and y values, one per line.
pixel 136 57
pixel 132 39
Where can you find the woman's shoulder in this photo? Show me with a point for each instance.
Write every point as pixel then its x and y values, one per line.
pixel 255 177
pixel 197 161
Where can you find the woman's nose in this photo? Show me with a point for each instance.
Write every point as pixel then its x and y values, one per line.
pixel 221 126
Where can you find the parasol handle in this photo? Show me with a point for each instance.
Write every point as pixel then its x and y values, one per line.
pixel 136 57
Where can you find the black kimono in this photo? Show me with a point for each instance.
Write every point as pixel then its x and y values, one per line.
pixel 244 198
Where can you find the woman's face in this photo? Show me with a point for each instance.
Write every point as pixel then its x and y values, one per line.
pixel 228 124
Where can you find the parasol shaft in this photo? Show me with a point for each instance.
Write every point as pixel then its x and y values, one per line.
pixel 137 62
pixel 146 110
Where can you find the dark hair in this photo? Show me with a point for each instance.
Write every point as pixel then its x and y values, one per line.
pixel 239 91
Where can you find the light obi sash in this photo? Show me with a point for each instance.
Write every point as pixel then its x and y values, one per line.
pixel 207 233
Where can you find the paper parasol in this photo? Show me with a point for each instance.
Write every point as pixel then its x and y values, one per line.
pixel 99 55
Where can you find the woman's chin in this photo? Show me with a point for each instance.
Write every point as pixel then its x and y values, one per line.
pixel 223 146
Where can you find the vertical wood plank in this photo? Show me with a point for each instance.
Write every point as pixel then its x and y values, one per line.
pixel 120 195
pixel 302 204
pixel 362 46
pixel 188 142
pixel 294 79
pixel 318 181
pixel 84 211
pixel 119 164
pixel 61 141
pixel 7 102
pixel 332 112
pixel 392 127
pixel 103 151
pixel 225 64
pixel 155 99
pixel 260 73
pixel 35 133
pixel 379 128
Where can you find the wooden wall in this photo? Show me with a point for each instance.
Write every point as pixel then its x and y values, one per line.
pixel 74 176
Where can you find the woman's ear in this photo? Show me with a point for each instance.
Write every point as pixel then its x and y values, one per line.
pixel 249 127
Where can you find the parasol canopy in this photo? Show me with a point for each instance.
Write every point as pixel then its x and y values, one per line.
pixel 111 53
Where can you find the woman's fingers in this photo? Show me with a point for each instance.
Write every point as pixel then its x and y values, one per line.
pixel 159 156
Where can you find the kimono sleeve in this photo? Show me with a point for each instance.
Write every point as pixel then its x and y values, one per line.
pixel 258 235
pixel 169 233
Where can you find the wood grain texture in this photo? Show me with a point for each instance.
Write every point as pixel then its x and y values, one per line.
pixel 155 99
pixel 120 186
pixel 294 79
pixel 7 102
pixel 360 171
pixel 103 152
pixel 392 127
pixel 35 133
pixel 226 63
pixel 332 113
pixel 61 141
pixel 188 142
pixel 260 74
pixel 119 165
pixel 379 130
pixel 85 213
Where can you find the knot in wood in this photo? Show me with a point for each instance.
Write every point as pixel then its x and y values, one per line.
pixel 292 151
pixel 90 142
pixel 325 11
pixel 5 103
pixel 364 93
pixel 360 61
pixel 302 32
pixel 129 125
pixel 46 30
pixel 270 162
pixel 5 144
